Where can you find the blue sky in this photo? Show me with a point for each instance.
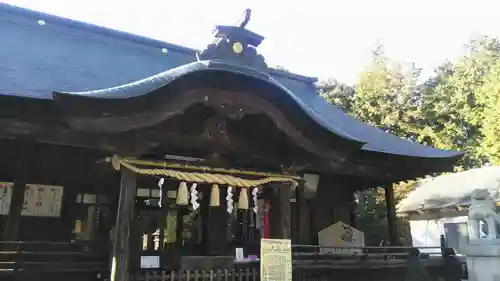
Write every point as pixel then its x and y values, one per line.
pixel 315 37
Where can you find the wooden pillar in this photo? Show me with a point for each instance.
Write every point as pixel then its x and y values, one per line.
pixel 352 208
pixel 285 211
pixel 322 206
pixel 391 214
pixel 280 211
pixel 124 216
pixel 16 208
pixel 22 170
pixel 303 224
pixel 218 218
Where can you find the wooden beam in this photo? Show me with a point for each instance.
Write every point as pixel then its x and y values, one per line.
pixel 285 211
pixel 218 219
pixel 120 270
pixel 248 104
pixel 16 207
pixel 22 166
pixel 303 223
pixel 391 214
pixel 280 211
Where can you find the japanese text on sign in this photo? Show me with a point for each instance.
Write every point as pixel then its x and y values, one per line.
pixel 276 260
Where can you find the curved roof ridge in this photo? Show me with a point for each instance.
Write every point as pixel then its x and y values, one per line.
pixel 147 85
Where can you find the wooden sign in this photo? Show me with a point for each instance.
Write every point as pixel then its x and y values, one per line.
pixel 42 200
pixel 342 238
pixel 5 197
pixel 276 260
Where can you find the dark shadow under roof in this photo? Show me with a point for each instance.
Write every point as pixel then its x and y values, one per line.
pixel 68 56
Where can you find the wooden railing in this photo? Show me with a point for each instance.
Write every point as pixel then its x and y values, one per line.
pixel 202 275
pixel 315 253
pixel 22 258
pixel 320 263
pixel 76 261
pixel 374 258
pixel 299 274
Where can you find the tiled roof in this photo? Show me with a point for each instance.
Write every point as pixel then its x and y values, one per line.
pixel 42 53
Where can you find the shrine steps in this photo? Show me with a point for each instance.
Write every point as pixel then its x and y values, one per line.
pixel 55 261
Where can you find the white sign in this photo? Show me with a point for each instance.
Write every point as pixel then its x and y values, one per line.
pixel 150 262
pixel 5 195
pixel 239 254
pixel 42 200
pixel 89 199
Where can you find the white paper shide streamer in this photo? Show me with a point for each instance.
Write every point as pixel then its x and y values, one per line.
pixel 255 192
pixel 194 196
pixel 160 185
pixel 229 199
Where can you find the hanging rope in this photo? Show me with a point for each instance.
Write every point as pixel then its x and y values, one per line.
pixel 117 160
pixel 211 178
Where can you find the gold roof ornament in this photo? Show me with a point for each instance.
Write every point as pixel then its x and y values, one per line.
pixel 237 47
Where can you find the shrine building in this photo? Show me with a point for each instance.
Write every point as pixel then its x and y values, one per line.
pixel 141 147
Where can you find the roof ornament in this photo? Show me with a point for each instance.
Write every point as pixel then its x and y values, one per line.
pixel 247 14
pixel 235 44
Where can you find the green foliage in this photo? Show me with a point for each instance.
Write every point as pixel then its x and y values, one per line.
pixel 372 217
pixel 458 108
pixel 337 93
pixel 453 106
pixel 489 98
pixel 387 95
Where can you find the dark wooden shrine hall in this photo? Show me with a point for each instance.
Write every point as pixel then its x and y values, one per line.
pixel 72 95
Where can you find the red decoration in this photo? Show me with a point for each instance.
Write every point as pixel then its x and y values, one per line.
pixel 266 219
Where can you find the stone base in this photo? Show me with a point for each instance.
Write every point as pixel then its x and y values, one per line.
pixel 483 260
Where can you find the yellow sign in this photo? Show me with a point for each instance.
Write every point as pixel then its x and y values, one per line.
pixel 275 260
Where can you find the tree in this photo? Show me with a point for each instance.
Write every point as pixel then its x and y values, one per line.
pixel 458 108
pixel 337 93
pixel 451 103
pixel 387 95
pixel 488 97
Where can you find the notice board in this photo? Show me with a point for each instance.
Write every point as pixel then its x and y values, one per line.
pixel 275 260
